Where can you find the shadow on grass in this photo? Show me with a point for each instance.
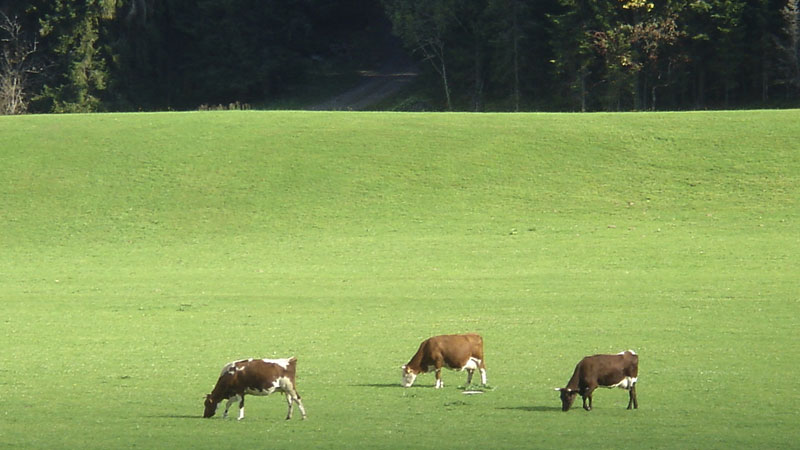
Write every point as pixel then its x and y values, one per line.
pixel 533 408
pixel 381 385
pixel 177 416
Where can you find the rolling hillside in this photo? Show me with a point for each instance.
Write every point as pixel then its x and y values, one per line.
pixel 141 252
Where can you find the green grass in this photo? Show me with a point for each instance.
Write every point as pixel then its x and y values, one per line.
pixel 142 252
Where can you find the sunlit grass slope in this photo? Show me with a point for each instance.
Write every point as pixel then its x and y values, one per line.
pixel 141 252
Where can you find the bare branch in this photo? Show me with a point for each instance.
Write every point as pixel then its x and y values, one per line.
pixel 15 65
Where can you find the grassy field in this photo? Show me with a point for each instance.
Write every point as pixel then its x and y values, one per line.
pixel 142 252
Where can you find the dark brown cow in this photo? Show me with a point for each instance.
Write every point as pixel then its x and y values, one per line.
pixel 454 351
pixel 620 370
pixel 254 377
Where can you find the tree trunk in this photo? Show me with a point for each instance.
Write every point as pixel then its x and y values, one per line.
pixel 477 95
pixel 653 98
pixel 446 85
pixel 583 75
pixel 700 89
pixel 638 93
pixel 516 61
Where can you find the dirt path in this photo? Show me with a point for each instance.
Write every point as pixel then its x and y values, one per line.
pixel 374 86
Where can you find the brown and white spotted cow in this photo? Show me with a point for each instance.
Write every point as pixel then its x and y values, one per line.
pixel 454 351
pixel 254 377
pixel 620 371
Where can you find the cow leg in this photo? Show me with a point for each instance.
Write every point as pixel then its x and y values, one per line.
pixel 483 375
pixel 290 401
pixel 470 372
pixel 241 408
pixel 293 397
pixel 632 400
pixel 439 382
pixel 228 405
pixel 588 394
pixel 300 405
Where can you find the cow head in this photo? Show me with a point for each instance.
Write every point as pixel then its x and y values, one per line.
pixel 210 407
pixel 567 397
pixel 408 376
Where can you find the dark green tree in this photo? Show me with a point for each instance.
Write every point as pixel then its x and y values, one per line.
pixel 71 33
pixel 574 59
pixel 788 45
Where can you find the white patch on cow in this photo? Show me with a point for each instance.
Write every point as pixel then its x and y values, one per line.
pixel 439 384
pixel 279 384
pixel 471 364
pixel 483 376
pixel 625 383
pixel 285 385
pixel 627 351
pixel 408 377
pixel 228 368
pixel 283 362
pixel 231 366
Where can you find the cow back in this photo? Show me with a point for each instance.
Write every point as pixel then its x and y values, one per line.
pixel 606 370
pixel 260 374
pixel 454 350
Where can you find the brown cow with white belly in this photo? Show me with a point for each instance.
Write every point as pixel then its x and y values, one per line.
pixel 254 377
pixel 454 351
pixel 620 370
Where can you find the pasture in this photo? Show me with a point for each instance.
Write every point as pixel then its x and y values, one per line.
pixel 142 252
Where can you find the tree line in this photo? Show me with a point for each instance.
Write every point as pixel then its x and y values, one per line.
pixel 476 55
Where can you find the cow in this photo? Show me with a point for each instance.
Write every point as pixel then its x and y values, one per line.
pixel 254 377
pixel 454 351
pixel 610 371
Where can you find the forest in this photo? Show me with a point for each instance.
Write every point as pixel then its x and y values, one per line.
pixel 61 56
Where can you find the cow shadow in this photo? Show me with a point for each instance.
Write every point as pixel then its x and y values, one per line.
pixel 532 408
pixel 380 385
pixel 177 416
